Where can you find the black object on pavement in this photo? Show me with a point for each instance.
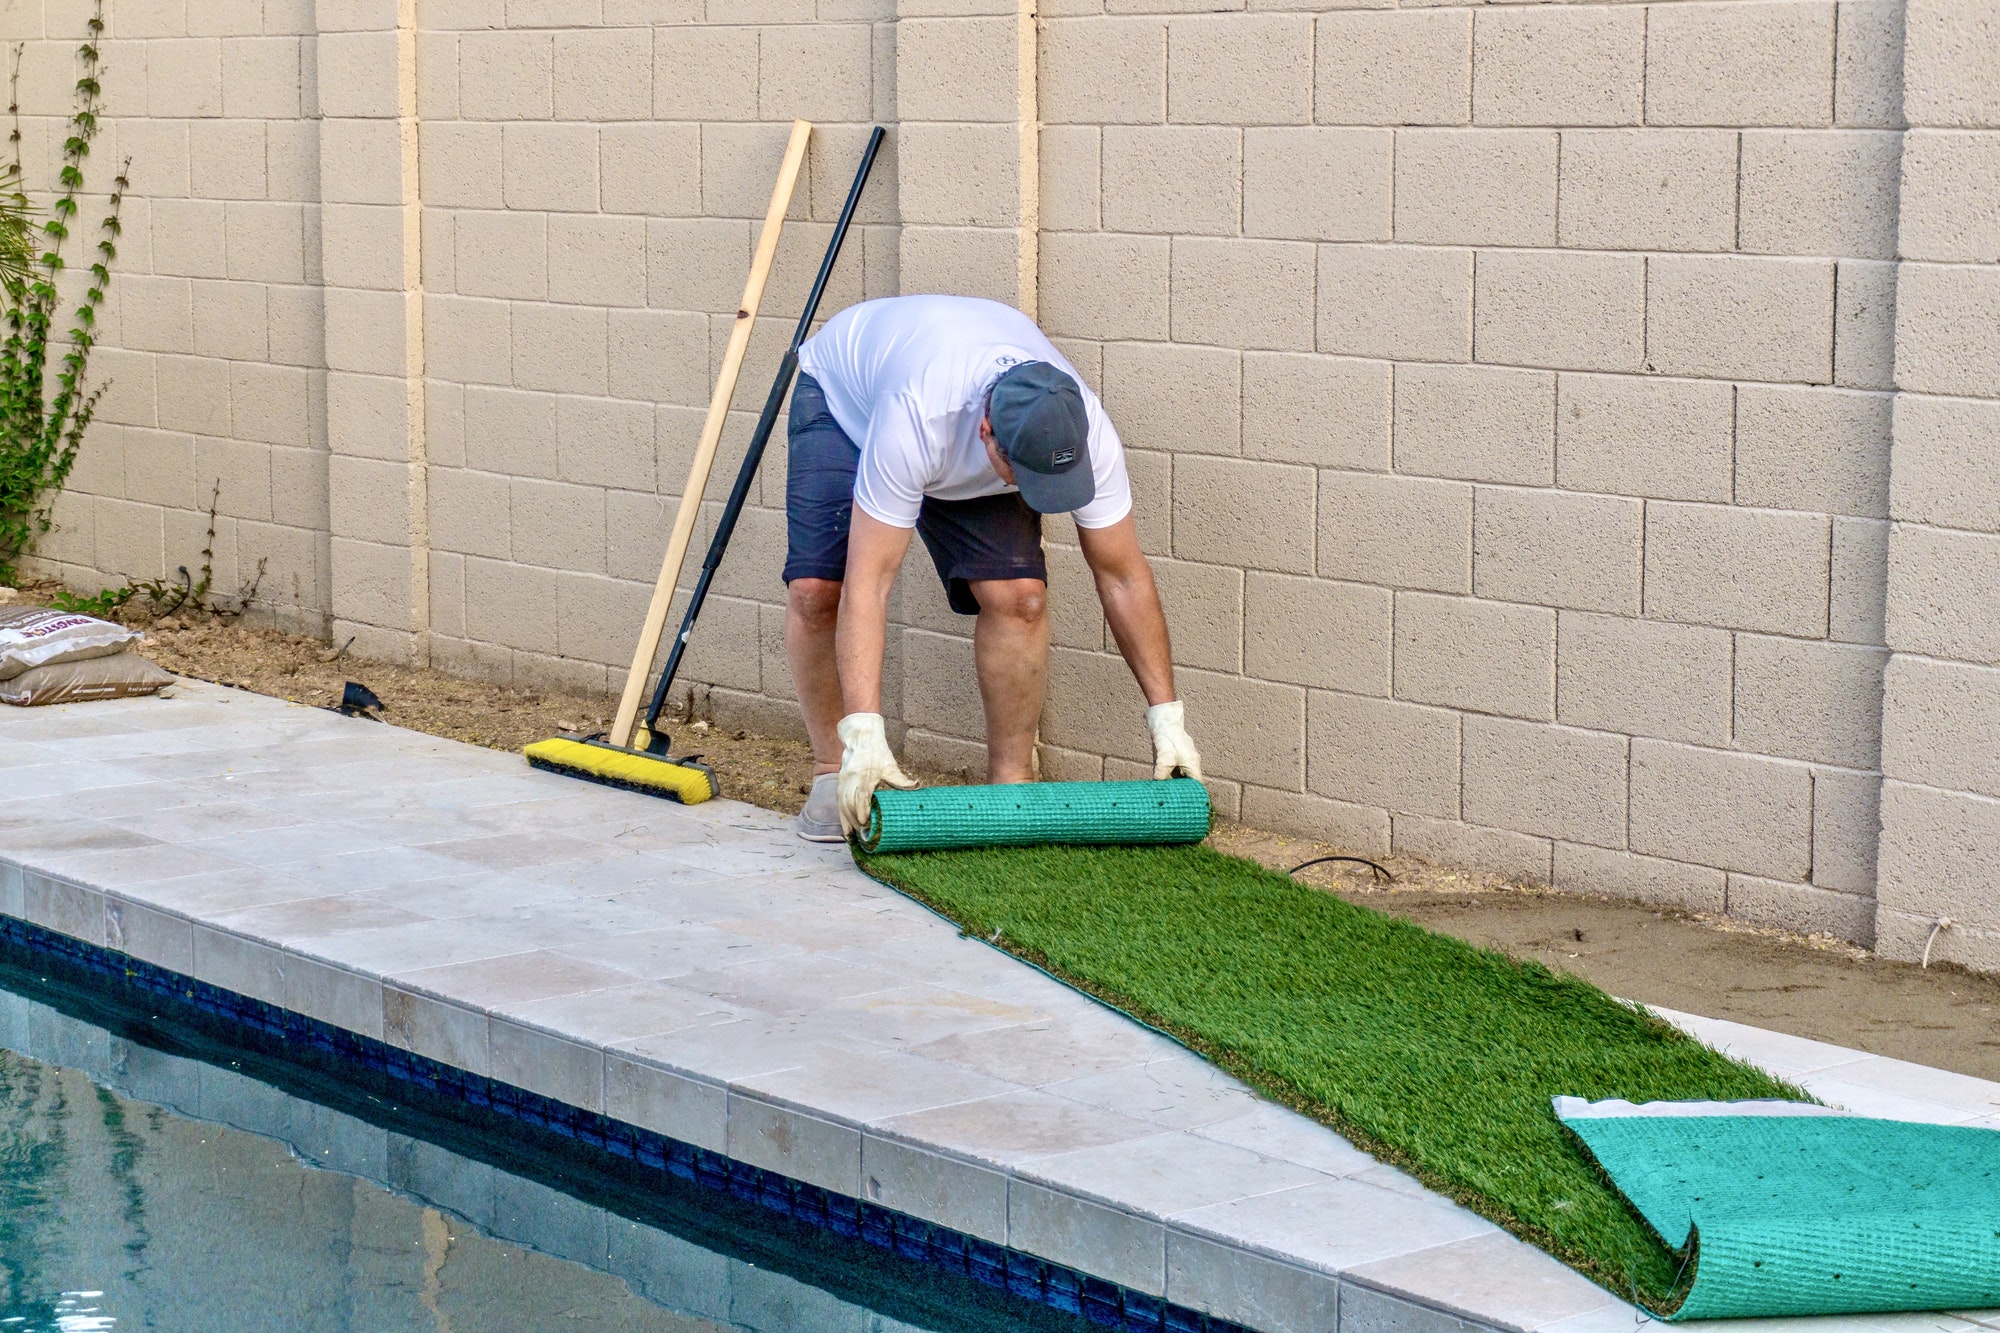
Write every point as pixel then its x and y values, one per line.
pixel 357 700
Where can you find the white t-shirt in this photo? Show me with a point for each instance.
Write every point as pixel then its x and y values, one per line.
pixel 907 376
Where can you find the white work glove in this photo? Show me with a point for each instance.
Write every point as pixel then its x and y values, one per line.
pixel 866 762
pixel 1173 748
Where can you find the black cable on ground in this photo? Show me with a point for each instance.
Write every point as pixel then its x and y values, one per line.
pixel 1381 872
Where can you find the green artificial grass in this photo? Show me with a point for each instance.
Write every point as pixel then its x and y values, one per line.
pixel 1428 1052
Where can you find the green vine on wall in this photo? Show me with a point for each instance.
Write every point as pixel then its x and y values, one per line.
pixel 42 422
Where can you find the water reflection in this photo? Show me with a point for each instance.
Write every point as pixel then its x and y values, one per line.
pixel 184 1200
pixel 71 1312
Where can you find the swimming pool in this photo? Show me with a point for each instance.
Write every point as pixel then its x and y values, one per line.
pixel 150 1177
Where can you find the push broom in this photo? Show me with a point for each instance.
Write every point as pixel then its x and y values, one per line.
pixel 634 754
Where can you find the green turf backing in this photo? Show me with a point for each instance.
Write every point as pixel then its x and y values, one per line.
pixel 1811 1214
pixel 1429 1052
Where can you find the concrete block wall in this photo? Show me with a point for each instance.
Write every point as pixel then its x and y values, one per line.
pixel 592 183
pixel 1548 422
pixel 1513 387
pixel 1940 856
pixel 213 337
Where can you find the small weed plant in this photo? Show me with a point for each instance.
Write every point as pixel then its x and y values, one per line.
pixel 46 403
pixel 164 597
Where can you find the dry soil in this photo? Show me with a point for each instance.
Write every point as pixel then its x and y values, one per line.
pixel 1810 986
pixel 1814 987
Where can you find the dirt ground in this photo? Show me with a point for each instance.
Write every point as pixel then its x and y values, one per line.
pixel 1816 986
pixel 1813 987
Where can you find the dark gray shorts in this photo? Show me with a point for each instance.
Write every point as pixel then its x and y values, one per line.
pixel 992 537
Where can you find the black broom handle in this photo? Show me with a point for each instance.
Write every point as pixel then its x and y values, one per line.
pixel 747 474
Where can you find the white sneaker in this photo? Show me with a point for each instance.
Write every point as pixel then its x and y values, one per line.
pixel 820 820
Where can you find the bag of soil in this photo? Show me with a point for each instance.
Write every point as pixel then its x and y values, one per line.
pixel 35 636
pixel 115 677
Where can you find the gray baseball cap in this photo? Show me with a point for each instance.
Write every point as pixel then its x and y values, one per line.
pixel 1039 422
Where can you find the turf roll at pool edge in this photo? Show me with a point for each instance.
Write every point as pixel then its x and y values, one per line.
pixel 1035 813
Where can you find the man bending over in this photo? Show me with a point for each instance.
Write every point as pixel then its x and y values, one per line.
pixel 958 419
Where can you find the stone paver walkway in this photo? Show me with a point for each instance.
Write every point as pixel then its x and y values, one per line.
pixel 703 973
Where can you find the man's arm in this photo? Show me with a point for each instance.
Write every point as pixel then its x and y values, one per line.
pixel 1131 604
pixel 874 554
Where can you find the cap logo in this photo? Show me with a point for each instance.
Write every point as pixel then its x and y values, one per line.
pixel 1062 459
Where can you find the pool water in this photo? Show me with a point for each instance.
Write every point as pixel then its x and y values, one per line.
pixel 143 1186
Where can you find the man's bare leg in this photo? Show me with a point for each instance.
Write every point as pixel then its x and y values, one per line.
pixel 812 608
pixel 1011 651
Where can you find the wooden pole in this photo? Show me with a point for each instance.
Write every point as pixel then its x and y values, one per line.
pixel 711 435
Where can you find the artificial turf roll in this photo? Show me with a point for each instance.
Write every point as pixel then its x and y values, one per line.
pixel 1025 814
pixel 1431 1054
pixel 690 784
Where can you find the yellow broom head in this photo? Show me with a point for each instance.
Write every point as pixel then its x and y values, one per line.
pixel 690 784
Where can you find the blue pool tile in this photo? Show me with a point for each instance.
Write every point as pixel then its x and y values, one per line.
pixel 913 1238
pixel 877 1227
pixel 1103 1303
pixel 619 1141
pixel 948 1249
pixel 1025 1275
pixel 812 1204
pixel 1143 1313
pixel 1064 1290
pixel 843 1218
pixel 985 1262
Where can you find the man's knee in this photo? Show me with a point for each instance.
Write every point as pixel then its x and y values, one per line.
pixel 815 602
pixel 1025 601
